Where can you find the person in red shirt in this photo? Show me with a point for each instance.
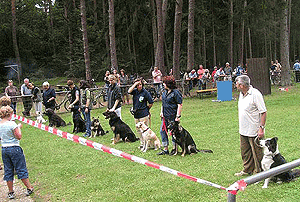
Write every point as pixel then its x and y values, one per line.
pixel 200 73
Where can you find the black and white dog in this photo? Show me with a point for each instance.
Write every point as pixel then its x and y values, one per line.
pixel 273 158
pixel 184 139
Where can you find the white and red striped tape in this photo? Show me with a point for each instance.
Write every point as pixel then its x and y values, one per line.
pixel 114 152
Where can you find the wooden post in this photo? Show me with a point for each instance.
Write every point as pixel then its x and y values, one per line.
pixel 258 71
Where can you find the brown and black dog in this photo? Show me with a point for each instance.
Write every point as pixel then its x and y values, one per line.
pixel 184 139
pixel 120 129
pixel 96 128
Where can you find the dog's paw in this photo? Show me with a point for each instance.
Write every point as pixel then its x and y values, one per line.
pixel 265 186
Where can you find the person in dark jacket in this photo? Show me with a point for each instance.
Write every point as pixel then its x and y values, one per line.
pixel 75 99
pixel 114 96
pixel 49 96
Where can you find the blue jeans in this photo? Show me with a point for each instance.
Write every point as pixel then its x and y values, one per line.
pixel 200 82
pixel 13 105
pixel 164 135
pixel 158 87
pixel 87 118
pixel 13 159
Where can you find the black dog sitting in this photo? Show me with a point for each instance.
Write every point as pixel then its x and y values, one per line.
pixel 54 119
pixel 184 139
pixel 120 129
pixel 96 128
pixel 79 124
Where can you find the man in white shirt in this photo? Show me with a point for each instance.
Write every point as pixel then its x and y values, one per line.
pixel 252 119
pixel 26 98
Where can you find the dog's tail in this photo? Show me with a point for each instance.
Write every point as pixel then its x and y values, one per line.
pixel 296 173
pixel 205 150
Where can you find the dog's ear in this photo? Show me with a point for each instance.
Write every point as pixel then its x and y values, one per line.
pixel 276 138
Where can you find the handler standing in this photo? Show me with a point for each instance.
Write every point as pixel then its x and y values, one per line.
pixel 170 111
pixel 252 119
pixel 114 96
pixel 141 98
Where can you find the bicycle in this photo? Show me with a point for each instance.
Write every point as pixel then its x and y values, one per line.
pixel 65 102
pixel 102 92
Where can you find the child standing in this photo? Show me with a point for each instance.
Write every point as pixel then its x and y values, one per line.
pixel 12 154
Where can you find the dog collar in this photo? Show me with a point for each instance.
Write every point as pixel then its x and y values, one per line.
pixel 145 130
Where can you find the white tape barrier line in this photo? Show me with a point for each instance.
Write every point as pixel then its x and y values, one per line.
pixel 114 152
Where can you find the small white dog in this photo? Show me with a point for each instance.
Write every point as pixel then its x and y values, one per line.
pixel 39 117
pixel 148 137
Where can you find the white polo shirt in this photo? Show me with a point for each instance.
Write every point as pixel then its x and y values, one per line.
pixel 250 106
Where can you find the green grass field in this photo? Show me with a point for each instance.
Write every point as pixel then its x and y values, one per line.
pixel 65 171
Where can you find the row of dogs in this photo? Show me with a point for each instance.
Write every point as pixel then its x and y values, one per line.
pixel 122 132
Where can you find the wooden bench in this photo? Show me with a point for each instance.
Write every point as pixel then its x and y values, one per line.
pixel 201 92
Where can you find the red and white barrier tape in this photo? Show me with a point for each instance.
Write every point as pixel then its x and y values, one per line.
pixel 113 151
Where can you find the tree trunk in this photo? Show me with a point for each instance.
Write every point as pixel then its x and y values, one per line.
pixel 95 13
pixel 214 45
pixel 14 37
pixel 112 36
pixel 104 20
pixel 275 39
pixel 51 29
pixel 154 27
pixel 164 13
pixel 85 42
pixel 159 55
pixel 176 43
pixel 204 48
pixel 284 47
pixel 191 30
pixel 250 45
pixel 231 34
pixel 67 10
pixel 241 60
pixel 134 52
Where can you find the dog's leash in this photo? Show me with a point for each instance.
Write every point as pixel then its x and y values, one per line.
pixel 256 141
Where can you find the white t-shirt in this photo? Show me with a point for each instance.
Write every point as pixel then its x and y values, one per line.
pixel 250 106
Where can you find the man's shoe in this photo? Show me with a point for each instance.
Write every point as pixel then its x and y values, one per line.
pixel 29 192
pixel 11 195
pixel 242 173
pixel 163 152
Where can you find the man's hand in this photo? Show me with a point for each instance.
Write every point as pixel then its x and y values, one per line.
pixel 261 133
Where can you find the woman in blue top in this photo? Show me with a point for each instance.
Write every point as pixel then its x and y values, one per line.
pixel 142 102
pixel 170 111
pixel 12 154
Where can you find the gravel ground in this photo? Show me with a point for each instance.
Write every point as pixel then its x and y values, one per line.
pixel 18 187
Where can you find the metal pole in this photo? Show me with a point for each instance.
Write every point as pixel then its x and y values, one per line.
pixel 272 172
pixel 231 197
pixel 261 176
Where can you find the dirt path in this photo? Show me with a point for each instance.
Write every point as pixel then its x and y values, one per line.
pixel 18 187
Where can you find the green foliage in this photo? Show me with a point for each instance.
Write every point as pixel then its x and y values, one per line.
pixel 65 171
pixel 50 49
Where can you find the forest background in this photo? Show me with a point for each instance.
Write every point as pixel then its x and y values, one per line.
pixel 84 38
